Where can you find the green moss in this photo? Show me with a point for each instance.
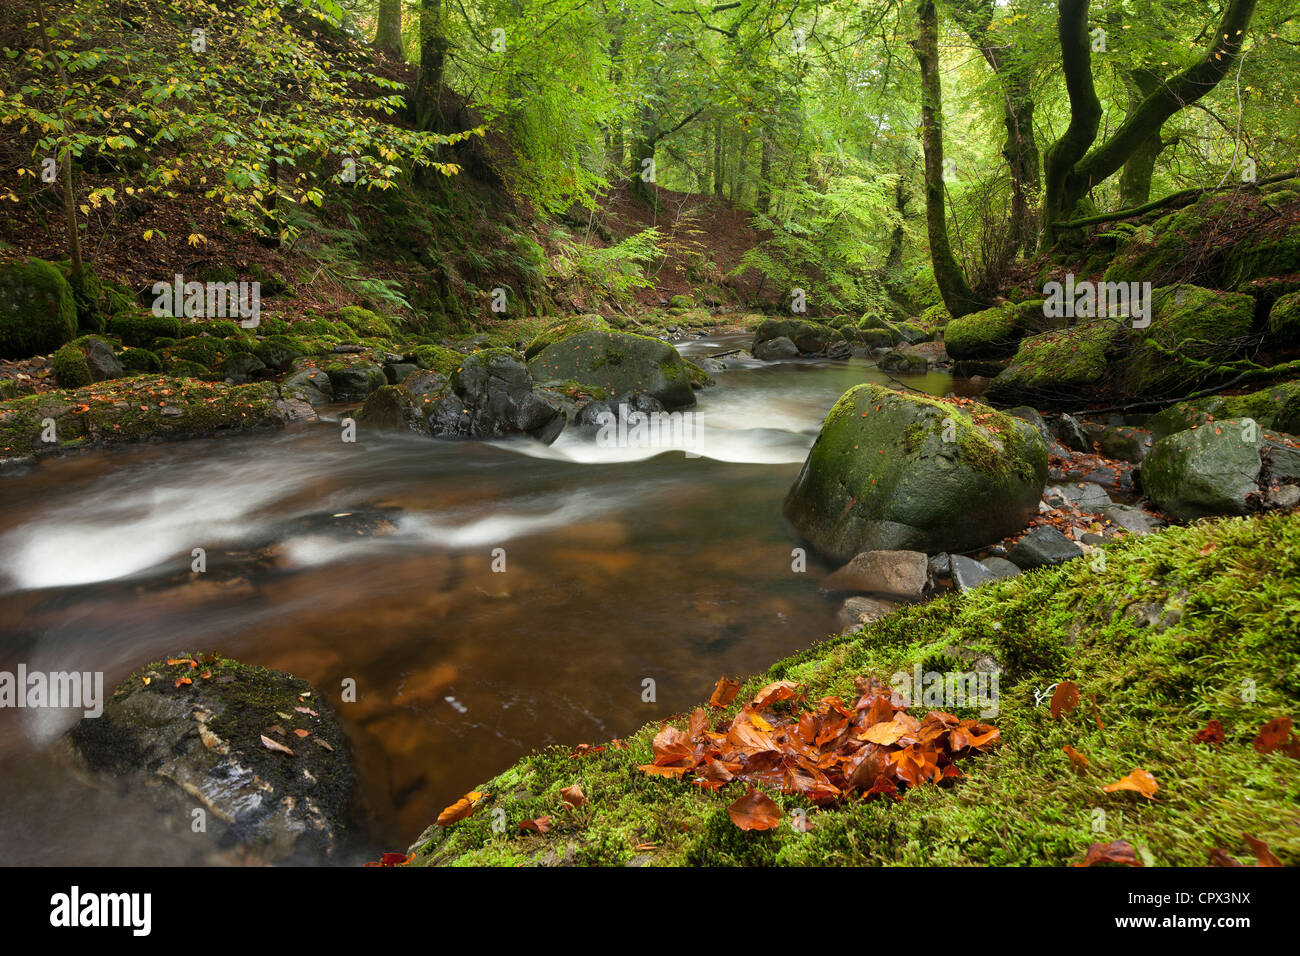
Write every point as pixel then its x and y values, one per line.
pixel 438 358
pixel 1193 332
pixel 992 333
pixel 561 330
pixel 140 360
pixel 38 311
pixel 365 322
pixel 1227 591
pixel 140 329
pixel 1059 366
pixel 70 367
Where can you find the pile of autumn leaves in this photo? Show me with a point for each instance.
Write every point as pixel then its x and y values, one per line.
pixel 872 748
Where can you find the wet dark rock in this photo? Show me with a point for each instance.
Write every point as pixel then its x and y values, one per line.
pixel 200 745
pixel 493 395
pixel 395 372
pixel 1000 567
pixel 355 381
pixel 1043 547
pixel 1072 434
pixel 391 409
pixel 967 573
pixel 941 564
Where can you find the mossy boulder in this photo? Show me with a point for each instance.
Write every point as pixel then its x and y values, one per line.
pixel 38 312
pixel 1272 249
pixel 561 330
pixel 437 358
pixel 893 471
pixel 278 352
pixel 620 363
pixel 184 736
pixel 1205 472
pixel 70 367
pixel 1193 331
pixel 366 322
pixel 1058 367
pixel 140 329
pixel 994 333
pixel 1284 319
pixel 85 360
pixel 1277 406
pixel 140 360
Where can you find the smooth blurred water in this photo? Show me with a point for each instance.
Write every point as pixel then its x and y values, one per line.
pixel 622 564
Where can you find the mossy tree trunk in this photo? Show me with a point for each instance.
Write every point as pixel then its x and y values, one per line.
pixel 1020 148
pixel 433 60
pixel 388 33
pixel 1073 165
pixel 948 275
pixel 1135 180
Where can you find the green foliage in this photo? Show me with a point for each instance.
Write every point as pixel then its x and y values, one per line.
pixel 615 271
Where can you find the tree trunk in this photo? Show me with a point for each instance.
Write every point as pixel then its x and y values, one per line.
pixel 764 203
pixel 1020 149
pixel 388 34
pixel 895 258
pixel 719 174
pixel 954 289
pixel 1073 165
pixel 1135 180
pixel 433 57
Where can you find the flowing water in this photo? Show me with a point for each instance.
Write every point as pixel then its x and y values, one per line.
pixel 374 561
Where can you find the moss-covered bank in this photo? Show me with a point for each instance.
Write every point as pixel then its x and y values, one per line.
pixel 1171 631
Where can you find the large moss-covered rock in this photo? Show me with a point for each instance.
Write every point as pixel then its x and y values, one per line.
pixel 899 471
pixel 85 360
pixel 1192 330
pixel 1284 319
pixel 562 329
pixel 38 312
pixel 810 338
pixel 1058 367
pixel 493 395
pixel 620 363
pixel 994 333
pixel 1206 471
pixel 139 329
pixel 188 736
pixel 1277 406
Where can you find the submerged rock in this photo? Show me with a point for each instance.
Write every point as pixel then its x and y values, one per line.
pixel 892 471
pixel 202 745
pixel 903 574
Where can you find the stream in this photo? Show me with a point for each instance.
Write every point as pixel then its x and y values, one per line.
pixel 374 561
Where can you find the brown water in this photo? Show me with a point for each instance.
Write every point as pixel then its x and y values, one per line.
pixel 621 565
